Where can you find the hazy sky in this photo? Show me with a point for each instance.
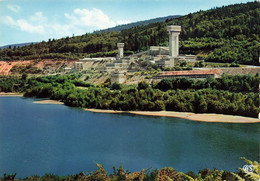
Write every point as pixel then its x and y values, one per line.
pixel 36 20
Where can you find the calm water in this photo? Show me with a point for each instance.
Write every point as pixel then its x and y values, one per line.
pixel 39 139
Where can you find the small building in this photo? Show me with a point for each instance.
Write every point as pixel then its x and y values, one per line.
pixel 157 50
pixel 67 70
pixel 98 59
pixel 78 66
pixel 190 57
pixel 117 76
pixel 165 62
pixel 192 74
pixel 118 65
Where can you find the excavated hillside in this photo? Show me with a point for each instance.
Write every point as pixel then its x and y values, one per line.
pixel 6 66
pixel 45 66
pixel 93 70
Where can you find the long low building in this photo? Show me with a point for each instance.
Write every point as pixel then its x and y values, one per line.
pixel 193 74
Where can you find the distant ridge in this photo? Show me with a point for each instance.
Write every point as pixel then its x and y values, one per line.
pixel 17 45
pixel 116 28
pixel 138 23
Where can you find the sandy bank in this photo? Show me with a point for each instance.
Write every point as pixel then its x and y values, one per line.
pixel 105 111
pixel 10 94
pixel 48 102
pixel 217 118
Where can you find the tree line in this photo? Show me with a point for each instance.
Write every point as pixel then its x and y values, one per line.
pixel 236 95
pixel 237 83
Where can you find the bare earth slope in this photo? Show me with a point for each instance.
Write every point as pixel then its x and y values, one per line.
pixel 6 66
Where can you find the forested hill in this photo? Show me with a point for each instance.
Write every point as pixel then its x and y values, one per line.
pixel 17 45
pixel 139 23
pixel 223 34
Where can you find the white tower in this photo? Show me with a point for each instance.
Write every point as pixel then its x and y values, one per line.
pixel 120 47
pixel 174 32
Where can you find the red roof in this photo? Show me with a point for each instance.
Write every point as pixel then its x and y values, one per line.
pixel 192 72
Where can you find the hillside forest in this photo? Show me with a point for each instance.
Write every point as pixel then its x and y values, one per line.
pixel 229 34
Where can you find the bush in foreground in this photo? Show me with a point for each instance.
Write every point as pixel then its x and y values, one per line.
pixel 164 174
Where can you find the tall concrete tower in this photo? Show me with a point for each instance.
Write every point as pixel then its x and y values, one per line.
pixel 174 32
pixel 120 47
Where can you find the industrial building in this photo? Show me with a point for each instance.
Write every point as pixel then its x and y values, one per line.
pixel 192 74
pixel 118 77
pixel 78 66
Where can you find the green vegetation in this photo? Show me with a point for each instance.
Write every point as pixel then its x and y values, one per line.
pixel 164 174
pixel 237 95
pixel 19 69
pixel 139 23
pixel 12 83
pixel 224 34
pixel 245 83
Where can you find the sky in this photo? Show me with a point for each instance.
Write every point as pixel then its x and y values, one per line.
pixel 37 20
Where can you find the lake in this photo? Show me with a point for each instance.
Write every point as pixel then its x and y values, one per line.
pixel 41 138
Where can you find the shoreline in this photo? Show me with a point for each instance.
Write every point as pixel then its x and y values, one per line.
pixel 3 94
pixel 207 117
pixel 48 101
